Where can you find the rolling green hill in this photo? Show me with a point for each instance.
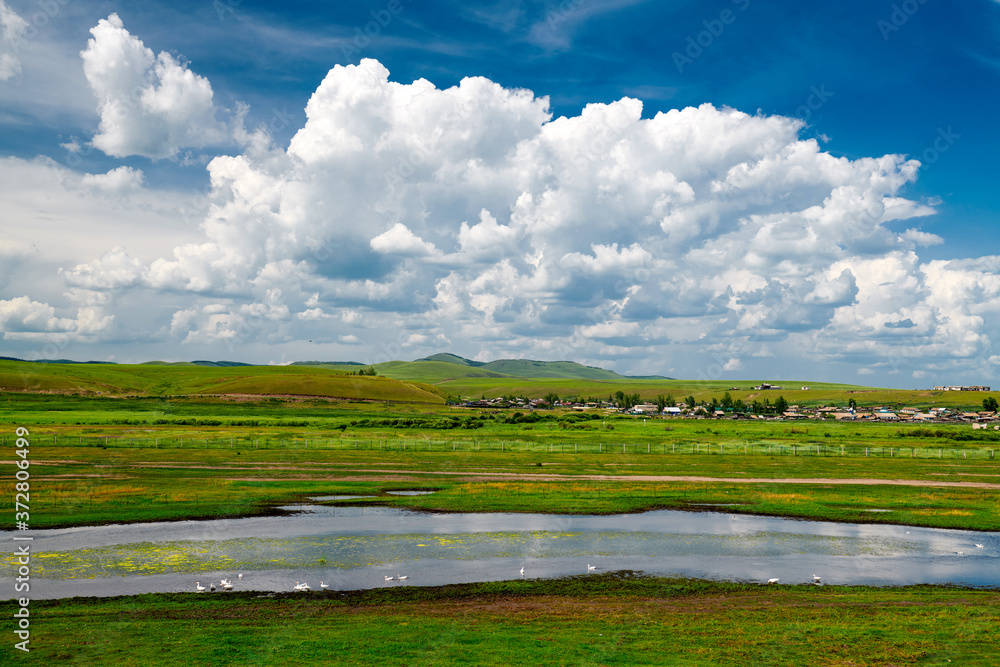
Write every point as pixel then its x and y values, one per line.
pixel 449 358
pixel 161 380
pixel 528 368
pixel 432 382
pixel 432 371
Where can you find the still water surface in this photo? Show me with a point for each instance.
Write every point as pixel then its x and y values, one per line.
pixel 357 547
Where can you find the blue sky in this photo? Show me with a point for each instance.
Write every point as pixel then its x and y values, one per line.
pixel 761 213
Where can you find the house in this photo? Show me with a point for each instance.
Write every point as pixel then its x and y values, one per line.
pixel 954 387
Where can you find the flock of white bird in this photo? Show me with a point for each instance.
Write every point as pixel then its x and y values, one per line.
pixel 227 584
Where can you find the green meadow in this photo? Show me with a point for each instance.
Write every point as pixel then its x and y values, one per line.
pixel 98 460
pixel 113 444
pixel 166 380
pixel 611 619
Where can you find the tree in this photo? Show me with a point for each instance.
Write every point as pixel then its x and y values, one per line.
pixel 852 404
pixel 661 402
pixel 727 401
pixel 551 398
pixel 690 402
pixel 781 405
pixel 990 404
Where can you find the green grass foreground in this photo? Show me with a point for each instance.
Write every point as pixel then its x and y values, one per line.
pixel 611 619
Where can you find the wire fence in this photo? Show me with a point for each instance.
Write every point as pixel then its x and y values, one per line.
pixel 250 442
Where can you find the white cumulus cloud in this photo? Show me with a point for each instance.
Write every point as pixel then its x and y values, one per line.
pixel 402 215
pixel 150 105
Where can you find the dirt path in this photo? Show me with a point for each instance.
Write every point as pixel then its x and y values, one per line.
pixel 866 481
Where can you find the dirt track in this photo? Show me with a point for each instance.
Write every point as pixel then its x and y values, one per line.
pixel 686 478
pixel 397 474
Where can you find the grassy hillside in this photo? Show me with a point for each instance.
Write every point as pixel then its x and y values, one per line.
pixel 442 367
pixel 527 368
pixel 449 358
pixel 160 380
pixel 432 371
pixel 434 381
pixel 522 368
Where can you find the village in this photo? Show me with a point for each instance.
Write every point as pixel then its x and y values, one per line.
pixel 666 407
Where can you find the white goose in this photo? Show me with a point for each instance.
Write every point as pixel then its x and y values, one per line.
pixel 322 585
pixel 227 585
pixel 388 578
pixel 772 581
pixel 201 589
pixel 591 568
pixel 402 576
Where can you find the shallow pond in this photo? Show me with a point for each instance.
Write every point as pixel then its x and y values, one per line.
pixel 358 547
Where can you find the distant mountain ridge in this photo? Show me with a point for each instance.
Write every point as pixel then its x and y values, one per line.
pixel 435 367
pixel 54 361
pixel 529 368
pixel 326 363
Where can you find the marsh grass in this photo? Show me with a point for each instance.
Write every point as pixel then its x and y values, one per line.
pixel 93 485
pixel 215 458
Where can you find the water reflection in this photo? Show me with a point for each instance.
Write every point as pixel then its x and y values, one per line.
pixel 357 547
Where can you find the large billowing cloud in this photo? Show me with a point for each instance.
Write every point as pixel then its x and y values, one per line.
pixel 150 105
pixel 697 242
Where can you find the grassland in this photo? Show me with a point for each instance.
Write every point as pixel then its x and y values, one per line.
pixel 150 453
pixel 166 380
pixel 93 485
pixel 434 381
pixel 613 619
pixel 98 460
